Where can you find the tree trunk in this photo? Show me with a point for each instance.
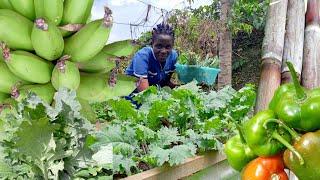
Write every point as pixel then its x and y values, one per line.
pixel 225 46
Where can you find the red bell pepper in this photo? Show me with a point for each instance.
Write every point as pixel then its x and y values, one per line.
pixel 265 168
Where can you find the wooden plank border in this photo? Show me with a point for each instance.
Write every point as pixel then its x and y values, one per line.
pixel 191 166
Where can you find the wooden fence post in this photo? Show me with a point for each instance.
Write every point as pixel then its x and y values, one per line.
pixel 311 54
pixel 272 51
pixel 294 37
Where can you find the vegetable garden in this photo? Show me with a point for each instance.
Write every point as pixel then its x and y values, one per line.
pixel 63 114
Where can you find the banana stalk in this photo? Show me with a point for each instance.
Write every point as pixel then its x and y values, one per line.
pixel 44 91
pixel 27 66
pixel 7 79
pixel 65 74
pixel 15 30
pixel 24 7
pixel 90 40
pixel 47 40
pixel 97 88
pixel 51 10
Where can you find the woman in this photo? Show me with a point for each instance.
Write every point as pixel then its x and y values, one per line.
pixel 154 65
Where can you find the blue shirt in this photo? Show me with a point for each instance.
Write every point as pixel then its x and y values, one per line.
pixel 144 64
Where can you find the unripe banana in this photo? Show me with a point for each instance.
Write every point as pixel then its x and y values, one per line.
pixel 3 96
pixel 65 74
pixel 27 66
pixel 5 4
pixel 15 30
pixel 51 10
pixel 75 12
pixel 95 87
pixel 90 40
pixel 7 79
pixel 24 7
pixel 47 40
pixel 104 60
pixel 44 91
pixel 92 88
pixel 100 62
pixel 120 48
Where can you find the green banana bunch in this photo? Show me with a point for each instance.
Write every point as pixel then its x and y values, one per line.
pixel 15 30
pixel 75 12
pixel 96 88
pixel 65 74
pixel 51 10
pixel 47 40
pixel 7 79
pixel 24 7
pixel 44 91
pixel 27 66
pixel 3 96
pixel 90 40
pixel 5 4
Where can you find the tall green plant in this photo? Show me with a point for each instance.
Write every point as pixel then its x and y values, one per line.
pixel 248 15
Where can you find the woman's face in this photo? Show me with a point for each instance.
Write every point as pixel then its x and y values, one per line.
pixel 162 46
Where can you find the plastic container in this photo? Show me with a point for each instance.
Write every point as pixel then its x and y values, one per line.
pixel 187 73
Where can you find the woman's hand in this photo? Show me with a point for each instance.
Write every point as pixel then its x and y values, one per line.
pixel 172 85
pixel 142 84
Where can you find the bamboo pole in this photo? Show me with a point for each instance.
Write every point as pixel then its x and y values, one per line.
pixel 294 37
pixel 272 51
pixel 311 56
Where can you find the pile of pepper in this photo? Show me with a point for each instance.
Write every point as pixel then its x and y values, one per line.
pixel 269 142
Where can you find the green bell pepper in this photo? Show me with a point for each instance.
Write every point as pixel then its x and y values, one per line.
pixel 265 135
pixel 308 146
pixel 297 107
pixel 238 152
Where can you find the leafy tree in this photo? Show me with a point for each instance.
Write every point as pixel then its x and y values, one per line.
pixel 197 29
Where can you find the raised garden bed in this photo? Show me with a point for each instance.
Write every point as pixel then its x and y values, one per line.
pixel 189 167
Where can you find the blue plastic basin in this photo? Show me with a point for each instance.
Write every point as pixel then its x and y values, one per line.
pixel 187 73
